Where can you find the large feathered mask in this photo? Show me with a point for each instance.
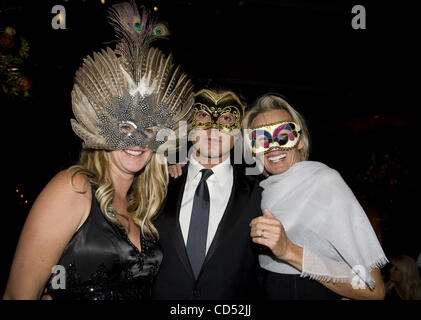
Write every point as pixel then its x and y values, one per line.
pixel 124 97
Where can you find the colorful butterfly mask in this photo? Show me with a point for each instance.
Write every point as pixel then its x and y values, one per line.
pixel 282 136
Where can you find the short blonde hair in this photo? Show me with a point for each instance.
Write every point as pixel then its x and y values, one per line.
pixel 269 102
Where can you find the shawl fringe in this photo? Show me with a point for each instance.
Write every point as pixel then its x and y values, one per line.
pixel 377 264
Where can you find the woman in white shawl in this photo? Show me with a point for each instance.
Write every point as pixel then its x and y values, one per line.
pixel 321 243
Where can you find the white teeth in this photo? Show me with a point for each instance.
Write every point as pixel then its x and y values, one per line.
pixel 134 153
pixel 277 158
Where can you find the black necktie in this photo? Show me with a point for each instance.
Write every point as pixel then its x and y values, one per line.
pixel 198 229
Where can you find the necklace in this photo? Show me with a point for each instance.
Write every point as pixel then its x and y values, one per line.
pixel 116 214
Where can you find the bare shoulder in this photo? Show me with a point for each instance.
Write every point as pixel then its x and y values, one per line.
pixel 55 216
pixel 67 194
pixel 68 180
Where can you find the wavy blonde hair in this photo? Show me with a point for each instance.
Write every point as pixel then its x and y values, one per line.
pixel 145 195
pixel 271 102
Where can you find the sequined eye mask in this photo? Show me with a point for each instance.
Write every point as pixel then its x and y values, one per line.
pixel 282 136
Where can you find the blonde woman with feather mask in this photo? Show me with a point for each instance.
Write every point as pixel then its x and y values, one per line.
pixel 319 242
pixel 94 220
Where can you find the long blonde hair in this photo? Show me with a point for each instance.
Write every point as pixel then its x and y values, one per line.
pixel 145 196
pixel 410 284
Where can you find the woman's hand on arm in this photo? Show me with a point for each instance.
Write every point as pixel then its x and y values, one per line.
pixel 53 219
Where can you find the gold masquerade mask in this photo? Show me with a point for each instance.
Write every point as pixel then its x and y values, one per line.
pixel 282 136
pixel 223 111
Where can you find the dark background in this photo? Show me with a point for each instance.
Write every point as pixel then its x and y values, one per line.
pixel 356 89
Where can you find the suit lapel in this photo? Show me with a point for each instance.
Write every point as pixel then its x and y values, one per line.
pixel 235 207
pixel 174 215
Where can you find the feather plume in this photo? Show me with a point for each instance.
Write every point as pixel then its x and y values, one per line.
pixel 135 32
pixel 133 85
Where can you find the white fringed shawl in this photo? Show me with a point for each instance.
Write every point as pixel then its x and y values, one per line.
pixel 321 214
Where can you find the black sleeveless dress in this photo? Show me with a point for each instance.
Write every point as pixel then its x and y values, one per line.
pixel 101 263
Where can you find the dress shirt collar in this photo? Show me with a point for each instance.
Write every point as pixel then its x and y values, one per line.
pixel 221 172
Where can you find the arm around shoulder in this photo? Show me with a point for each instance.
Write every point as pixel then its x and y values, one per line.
pixel 53 219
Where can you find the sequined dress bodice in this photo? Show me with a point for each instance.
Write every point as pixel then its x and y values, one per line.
pixel 101 263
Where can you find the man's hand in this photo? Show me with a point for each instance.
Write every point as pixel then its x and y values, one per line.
pixel 175 169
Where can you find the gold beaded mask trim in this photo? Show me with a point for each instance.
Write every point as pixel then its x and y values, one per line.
pixel 222 111
pixel 284 136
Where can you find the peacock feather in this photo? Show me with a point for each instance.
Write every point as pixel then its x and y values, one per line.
pixel 119 94
pixel 135 32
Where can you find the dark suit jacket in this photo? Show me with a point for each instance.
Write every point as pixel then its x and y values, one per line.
pixel 230 269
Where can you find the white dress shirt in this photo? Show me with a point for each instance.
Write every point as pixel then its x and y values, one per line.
pixel 219 185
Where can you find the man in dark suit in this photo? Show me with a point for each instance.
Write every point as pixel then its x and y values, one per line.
pixel 204 224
